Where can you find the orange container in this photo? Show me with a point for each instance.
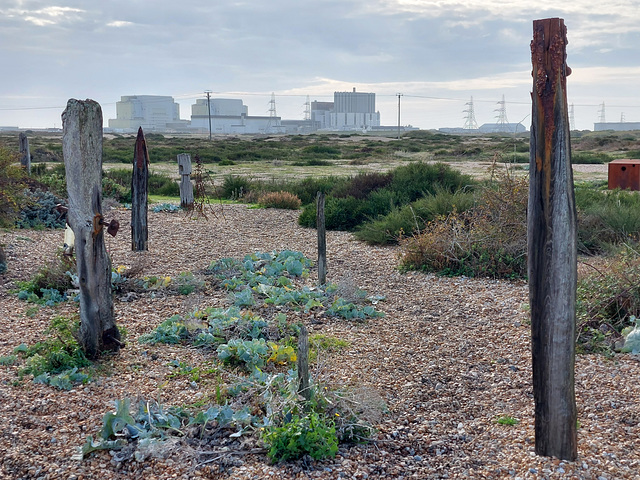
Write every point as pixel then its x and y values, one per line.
pixel 624 174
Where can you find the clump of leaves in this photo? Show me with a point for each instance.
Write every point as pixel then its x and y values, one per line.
pixel 507 420
pixel 171 331
pixel 56 360
pixel 39 211
pixel 311 435
pixel 55 275
pixel 166 207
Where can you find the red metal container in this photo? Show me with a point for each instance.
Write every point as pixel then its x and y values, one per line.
pixel 624 174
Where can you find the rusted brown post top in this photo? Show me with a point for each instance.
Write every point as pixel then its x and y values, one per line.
pixel 550 71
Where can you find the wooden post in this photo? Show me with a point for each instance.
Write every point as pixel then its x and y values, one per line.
pixel 304 385
pixel 3 261
pixel 25 155
pixel 82 150
pixel 186 189
pixel 552 246
pixel 322 239
pixel 139 195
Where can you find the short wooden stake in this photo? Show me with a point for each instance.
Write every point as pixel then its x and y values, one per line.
pixel 25 155
pixel 322 239
pixel 140 195
pixel 186 188
pixel 304 386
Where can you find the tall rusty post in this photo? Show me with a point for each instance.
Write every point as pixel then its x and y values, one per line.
pixel 139 195
pixel 552 246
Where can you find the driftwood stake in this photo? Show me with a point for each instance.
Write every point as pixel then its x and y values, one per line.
pixel 82 150
pixel 322 240
pixel 139 195
pixel 304 387
pixel 25 155
pixel 552 246
pixel 186 189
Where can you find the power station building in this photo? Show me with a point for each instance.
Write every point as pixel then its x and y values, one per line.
pixel 348 111
pixel 151 112
pixel 230 116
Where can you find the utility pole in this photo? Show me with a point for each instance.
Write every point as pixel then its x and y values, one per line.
pixel 399 95
pixel 208 92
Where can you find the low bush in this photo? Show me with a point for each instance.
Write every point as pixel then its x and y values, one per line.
pixel 362 185
pixel 279 200
pixel 606 217
pixel 489 240
pixel 418 179
pixel 39 211
pixel 411 219
pixel 608 300
pixel 234 187
pixel 57 358
pixel 12 184
pixel 590 157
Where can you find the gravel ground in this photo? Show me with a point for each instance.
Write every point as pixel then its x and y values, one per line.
pixel 450 357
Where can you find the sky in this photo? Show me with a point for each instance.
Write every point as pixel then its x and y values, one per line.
pixel 436 53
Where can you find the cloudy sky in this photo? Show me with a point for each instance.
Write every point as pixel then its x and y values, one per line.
pixel 437 53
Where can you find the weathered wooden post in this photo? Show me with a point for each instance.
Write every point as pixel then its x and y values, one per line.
pixel 82 150
pixel 322 239
pixel 25 155
pixel 552 246
pixel 186 189
pixel 304 382
pixel 139 195
pixel 3 260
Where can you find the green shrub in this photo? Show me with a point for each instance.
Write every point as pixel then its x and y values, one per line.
pixel 608 299
pixel 279 200
pixel 307 189
pixel 160 184
pixel 607 217
pixel 415 180
pixel 11 188
pixel 489 240
pixel 234 187
pixel 311 435
pixel 412 218
pixel 590 157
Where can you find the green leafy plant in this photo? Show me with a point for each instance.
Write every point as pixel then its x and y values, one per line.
pixel 310 435
pixel 250 353
pixel 507 420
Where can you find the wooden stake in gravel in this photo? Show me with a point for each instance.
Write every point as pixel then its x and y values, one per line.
pixel 139 195
pixel 304 387
pixel 322 239
pixel 25 155
pixel 186 189
pixel 82 150
pixel 552 246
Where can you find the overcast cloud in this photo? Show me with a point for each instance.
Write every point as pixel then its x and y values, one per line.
pixel 436 53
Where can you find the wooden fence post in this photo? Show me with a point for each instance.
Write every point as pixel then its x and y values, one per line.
pixel 322 239
pixel 186 189
pixel 552 249
pixel 82 151
pixel 25 155
pixel 139 195
pixel 304 385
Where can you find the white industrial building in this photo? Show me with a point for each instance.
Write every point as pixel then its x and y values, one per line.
pixel 348 111
pixel 616 126
pixel 230 116
pixel 151 112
